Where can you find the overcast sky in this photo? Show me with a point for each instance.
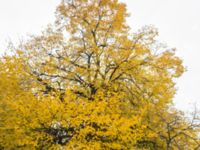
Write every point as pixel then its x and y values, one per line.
pixel 178 22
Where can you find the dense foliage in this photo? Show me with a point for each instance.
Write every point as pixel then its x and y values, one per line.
pixel 88 83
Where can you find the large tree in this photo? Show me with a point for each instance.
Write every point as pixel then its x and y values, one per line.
pixel 87 83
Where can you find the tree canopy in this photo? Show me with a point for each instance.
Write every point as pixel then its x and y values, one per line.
pixel 87 82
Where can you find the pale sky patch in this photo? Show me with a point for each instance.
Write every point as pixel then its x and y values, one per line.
pixel 179 26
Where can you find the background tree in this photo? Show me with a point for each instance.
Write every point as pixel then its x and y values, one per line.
pixel 170 129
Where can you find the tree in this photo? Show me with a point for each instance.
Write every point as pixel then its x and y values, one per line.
pixel 87 83
pixel 170 129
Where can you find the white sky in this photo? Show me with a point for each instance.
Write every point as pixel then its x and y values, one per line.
pixel 178 22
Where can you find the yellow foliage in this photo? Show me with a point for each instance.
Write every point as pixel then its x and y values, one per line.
pixel 87 83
